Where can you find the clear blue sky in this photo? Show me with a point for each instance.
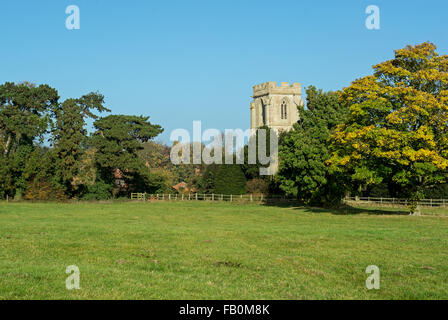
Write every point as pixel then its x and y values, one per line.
pixel 179 61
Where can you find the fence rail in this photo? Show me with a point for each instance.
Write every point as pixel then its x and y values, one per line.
pixel 277 198
pixel 211 197
pixel 397 201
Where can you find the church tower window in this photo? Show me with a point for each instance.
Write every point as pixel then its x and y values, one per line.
pixel 263 113
pixel 284 110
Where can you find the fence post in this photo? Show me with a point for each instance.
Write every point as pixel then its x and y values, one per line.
pixel 213 197
pixel 251 199
pixel 222 197
pixel 231 196
pixel 196 196
pixel 261 200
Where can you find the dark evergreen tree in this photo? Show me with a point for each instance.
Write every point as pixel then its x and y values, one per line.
pixel 230 179
pixel 303 151
pixel 252 171
pixel 70 134
pixel 206 183
pixel 118 139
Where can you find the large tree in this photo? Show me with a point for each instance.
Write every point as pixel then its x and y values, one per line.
pixel 25 116
pixel 303 151
pixel 118 139
pixel 252 170
pixel 24 113
pixel 229 179
pixel 70 134
pixel 206 183
pixel 397 131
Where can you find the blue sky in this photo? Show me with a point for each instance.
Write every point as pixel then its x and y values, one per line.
pixel 179 61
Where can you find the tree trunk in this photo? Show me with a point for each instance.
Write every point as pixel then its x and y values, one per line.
pixel 8 142
pixel 417 211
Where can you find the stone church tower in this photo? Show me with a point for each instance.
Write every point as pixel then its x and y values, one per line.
pixel 275 106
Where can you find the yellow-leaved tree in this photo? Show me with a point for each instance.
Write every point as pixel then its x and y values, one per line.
pixel 397 131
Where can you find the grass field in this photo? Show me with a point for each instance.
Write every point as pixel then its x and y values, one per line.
pixel 194 250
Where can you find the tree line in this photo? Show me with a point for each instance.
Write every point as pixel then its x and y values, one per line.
pixel 386 134
pixel 71 164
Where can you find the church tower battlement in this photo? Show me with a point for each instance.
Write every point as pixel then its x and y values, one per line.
pixel 275 106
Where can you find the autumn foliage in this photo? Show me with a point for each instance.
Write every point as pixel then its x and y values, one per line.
pixel 397 130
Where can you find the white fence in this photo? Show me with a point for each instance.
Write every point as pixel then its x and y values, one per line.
pixel 211 197
pixel 397 201
pixel 278 198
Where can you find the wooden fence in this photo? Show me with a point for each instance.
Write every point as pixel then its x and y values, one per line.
pixel 211 197
pixel 278 199
pixel 396 201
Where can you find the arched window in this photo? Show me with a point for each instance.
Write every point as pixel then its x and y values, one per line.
pixel 284 110
pixel 263 113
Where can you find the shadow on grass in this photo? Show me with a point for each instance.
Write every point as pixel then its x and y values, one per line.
pixel 341 210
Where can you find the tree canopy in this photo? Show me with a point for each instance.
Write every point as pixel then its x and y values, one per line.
pixel 118 138
pixel 397 130
pixel 69 163
pixel 384 134
pixel 303 151
pixel 70 133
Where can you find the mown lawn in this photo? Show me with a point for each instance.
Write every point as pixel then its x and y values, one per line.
pixel 191 250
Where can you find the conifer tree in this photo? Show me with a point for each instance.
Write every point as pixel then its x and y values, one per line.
pixel 230 179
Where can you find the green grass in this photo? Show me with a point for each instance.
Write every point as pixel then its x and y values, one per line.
pixel 388 209
pixel 194 250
